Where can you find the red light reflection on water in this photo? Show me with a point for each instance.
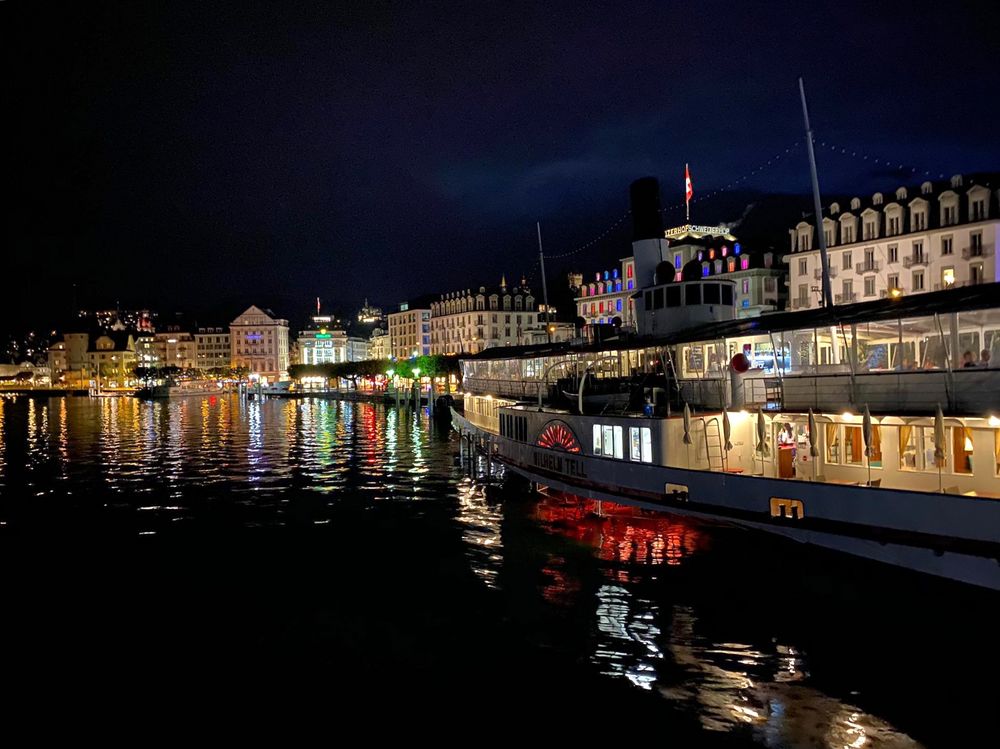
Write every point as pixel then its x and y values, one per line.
pixel 620 533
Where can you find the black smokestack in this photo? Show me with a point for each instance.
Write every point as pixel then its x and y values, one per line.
pixel 647 222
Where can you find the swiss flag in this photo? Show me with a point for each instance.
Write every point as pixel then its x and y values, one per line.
pixel 688 190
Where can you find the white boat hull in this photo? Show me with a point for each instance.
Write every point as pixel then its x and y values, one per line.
pixel 949 536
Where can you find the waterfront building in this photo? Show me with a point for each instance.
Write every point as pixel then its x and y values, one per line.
pixel 356 348
pixel 759 278
pixel 259 342
pixel 609 295
pixel 69 354
pixel 936 236
pixel 175 348
pixel 111 359
pixel 213 348
pixel 380 345
pixel 410 329
pixel 146 353
pixel 470 322
pixel 322 346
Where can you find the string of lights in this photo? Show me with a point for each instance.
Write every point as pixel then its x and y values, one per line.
pixel 877 160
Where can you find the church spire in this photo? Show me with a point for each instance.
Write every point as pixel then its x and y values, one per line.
pixel 503 282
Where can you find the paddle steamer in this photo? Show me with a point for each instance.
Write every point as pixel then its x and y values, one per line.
pixel 862 432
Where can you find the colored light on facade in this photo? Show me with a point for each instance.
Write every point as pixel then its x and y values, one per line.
pixel 736 248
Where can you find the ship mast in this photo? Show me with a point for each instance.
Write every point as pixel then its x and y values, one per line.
pixel 545 288
pixel 817 204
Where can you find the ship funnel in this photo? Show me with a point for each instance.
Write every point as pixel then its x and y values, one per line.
pixel 644 197
pixel 648 243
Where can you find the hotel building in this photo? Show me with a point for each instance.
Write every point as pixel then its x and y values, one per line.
pixel 936 236
pixel 410 329
pixel 259 342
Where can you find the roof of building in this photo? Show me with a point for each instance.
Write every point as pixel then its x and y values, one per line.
pixel 990 180
pixel 119 338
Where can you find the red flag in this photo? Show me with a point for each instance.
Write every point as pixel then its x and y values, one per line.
pixel 688 190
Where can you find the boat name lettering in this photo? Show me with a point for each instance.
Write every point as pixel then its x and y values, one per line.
pixel 559 464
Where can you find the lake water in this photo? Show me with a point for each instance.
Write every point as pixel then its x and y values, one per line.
pixel 225 547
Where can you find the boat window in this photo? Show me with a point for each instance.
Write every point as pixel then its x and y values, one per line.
pixel 693 294
pixel 608 439
pixel 658 298
pixel 961 448
pixel 673 296
pixel 916 449
pixel 727 295
pixel 635 452
pixel 597 439
pixel 619 453
pixel 647 444
pixel 854 448
pixel 711 293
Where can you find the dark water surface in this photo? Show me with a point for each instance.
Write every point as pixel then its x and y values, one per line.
pixel 224 550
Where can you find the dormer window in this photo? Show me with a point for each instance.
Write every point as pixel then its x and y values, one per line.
pixel 978 209
pixel 949 209
pixel 901 193
pixel 926 188
pixel 731 264
pixel 956 180
pixel 877 199
pixel 855 204
pixel 744 263
pixel 834 209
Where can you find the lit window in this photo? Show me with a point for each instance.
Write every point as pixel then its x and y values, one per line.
pixel 725 250
pixel 635 450
pixel 597 439
pixel 628 272
pixel 744 263
pixel 736 248
pixel 647 445
pixel 704 269
pixel 608 439
pixel 630 283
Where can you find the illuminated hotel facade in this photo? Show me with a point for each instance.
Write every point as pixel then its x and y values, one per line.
pixel 259 342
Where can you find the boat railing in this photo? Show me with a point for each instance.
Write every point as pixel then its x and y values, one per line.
pixel 919 391
pixel 520 389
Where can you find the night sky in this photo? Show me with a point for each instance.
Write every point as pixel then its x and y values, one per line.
pixel 206 156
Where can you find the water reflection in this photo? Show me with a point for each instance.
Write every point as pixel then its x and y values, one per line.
pixel 659 647
pixel 639 588
pixel 171 461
